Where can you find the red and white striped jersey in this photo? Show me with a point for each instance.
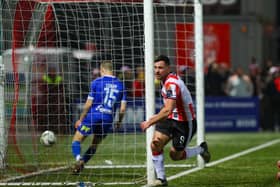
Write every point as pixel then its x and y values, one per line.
pixel 175 88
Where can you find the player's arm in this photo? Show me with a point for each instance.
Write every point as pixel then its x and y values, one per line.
pixel 169 106
pixel 121 114
pixel 86 108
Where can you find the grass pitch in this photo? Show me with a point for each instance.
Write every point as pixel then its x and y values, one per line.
pixel 257 168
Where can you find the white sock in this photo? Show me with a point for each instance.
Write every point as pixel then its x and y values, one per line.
pixel 78 157
pixel 193 151
pixel 158 161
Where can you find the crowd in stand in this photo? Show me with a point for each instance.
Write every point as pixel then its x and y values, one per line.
pixel 262 81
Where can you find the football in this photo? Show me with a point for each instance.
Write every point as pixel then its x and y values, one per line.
pixel 47 138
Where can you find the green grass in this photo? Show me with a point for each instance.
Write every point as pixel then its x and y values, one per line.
pixel 254 169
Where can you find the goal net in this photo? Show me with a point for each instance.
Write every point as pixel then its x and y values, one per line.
pixel 67 39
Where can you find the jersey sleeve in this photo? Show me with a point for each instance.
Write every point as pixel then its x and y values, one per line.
pixel 92 91
pixel 171 90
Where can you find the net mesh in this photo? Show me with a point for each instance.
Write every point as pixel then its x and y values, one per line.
pixel 67 40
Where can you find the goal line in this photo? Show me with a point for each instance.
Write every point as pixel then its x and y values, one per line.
pixel 9 181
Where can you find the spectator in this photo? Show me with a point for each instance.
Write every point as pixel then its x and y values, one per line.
pixel 215 79
pixel 38 95
pixel 272 93
pixel 254 74
pixel 126 76
pixel 239 84
pixel 95 73
pixel 139 83
pixel 265 76
pixel 157 88
pixel 264 72
pixel 53 108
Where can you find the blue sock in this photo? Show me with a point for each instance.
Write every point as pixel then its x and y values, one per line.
pixel 88 154
pixel 76 148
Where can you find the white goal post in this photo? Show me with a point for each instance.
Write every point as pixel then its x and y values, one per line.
pixel 73 36
pixel 199 76
pixel 149 82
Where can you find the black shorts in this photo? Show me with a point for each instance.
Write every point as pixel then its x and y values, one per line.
pixel 181 132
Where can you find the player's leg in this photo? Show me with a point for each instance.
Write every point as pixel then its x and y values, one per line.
pixel 160 139
pixel 100 132
pixel 76 151
pixel 205 153
pixel 81 133
pixel 97 139
pixel 202 149
pixel 76 145
pixel 183 134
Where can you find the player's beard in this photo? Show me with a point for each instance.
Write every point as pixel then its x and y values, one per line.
pixel 158 76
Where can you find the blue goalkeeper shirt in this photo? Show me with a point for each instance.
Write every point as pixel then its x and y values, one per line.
pixel 107 93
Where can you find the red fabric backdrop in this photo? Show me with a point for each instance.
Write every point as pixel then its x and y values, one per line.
pixel 23 14
pixel 216 43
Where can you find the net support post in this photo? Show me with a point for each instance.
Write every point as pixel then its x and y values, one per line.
pixel 149 82
pixel 3 133
pixel 199 75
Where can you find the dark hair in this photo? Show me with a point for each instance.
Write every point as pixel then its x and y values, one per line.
pixel 162 58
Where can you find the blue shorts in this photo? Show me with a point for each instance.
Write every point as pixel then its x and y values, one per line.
pixel 99 127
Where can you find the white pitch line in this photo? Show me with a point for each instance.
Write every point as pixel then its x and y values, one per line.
pixel 225 159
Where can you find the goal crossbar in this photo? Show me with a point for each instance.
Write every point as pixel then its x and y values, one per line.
pixel 88 1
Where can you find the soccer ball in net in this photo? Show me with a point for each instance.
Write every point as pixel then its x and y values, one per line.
pixel 47 138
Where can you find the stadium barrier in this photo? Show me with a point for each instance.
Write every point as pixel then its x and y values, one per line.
pixel 222 114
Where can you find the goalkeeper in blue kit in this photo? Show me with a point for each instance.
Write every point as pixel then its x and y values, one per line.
pixel 106 94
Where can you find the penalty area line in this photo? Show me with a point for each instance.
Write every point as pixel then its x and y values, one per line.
pixel 253 149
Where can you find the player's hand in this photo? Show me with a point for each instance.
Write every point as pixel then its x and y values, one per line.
pixel 144 125
pixel 78 122
pixel 118 125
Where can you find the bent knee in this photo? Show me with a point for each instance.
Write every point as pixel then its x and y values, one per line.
pixel 156 145
pixel 176 155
